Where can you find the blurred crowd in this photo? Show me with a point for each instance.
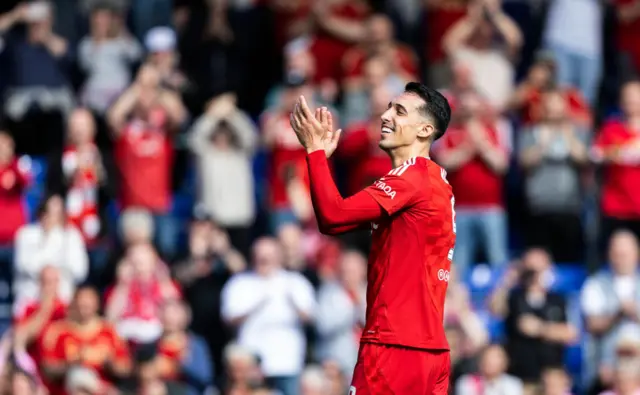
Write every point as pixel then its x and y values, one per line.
pixel 156 231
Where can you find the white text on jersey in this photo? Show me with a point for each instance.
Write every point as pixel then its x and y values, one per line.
pixel 380 184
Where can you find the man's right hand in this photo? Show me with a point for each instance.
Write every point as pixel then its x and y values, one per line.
pixel 331 137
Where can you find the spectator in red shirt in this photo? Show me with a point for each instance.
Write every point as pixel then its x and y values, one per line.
pixel 84 339
pixel 14 178
pixel 476 156
pixel 441 15
pixel 617 149
pixel 34 319
pixel 528 96
pixel 286 154
pixel 628 30
pixel 143 285
pixel 379 42
pixel 365 161
pixel 81 174
pixel 339 25
pixel 143 120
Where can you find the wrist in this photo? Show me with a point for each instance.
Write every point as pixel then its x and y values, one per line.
pixel 313 148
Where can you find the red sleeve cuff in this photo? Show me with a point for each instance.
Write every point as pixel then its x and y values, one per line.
pixel 315 156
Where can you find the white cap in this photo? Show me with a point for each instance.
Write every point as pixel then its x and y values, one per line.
pixel 160 39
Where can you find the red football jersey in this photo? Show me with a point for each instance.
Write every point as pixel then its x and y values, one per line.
pixel 410 257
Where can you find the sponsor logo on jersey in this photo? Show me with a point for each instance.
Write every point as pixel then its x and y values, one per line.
pixel 352 390
pixel 443 275
pixel 382 185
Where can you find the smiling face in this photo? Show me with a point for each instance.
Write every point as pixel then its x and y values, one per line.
pixel 405 123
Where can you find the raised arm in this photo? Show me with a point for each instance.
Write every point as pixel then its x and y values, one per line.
pixel 334 213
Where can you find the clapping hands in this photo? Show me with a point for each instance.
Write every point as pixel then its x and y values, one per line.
pixel 314 131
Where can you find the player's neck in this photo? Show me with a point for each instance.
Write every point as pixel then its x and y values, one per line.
pixel 403 154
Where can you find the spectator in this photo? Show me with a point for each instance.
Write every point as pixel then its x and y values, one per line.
pixel 337 382
pixel 313 381
pixel 224 140
pixel 298 251
pixel 628 27
pixel 148 378
pixel 627 378
pixel 365 161
pixel 555 381
pixel 243 371
pixel 202 274
pixel 616 150
pixel 440 16
pixel 464 360
pixel 527 99
pixel 182 355
pixel 471 41
pixel 573 33
pixel 50 241
pixel 22 383
pixel 142 120
pixel 268 307
pixel 341 313
pixel 610 302
pixel 37 64
pixel 552 153
pixel 459 314
pixel 360 99
pixel 106 55
pixel 85 340
pixel 84 176
pixel 491 378
pixel 338 26
pixel 379 43
pixel 142 286
pixel 14 179
pixel 536 323
pixel 161 44
pixel 286 154
pixel 32 322
pixel 475 155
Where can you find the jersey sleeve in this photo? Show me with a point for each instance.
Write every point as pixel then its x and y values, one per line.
pixel 395 191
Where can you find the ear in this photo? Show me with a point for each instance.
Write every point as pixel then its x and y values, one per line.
pixel 426 130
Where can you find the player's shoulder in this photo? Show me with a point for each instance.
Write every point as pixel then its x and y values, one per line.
pixel 422 172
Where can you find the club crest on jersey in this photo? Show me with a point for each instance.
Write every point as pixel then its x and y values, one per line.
pixel 380 184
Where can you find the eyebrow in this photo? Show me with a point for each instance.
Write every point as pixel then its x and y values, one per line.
pixel 398 105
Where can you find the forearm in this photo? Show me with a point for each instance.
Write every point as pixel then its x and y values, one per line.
pixel 343 29
pixel 559 333
pixel 455 158
pixel 495 158
pixel 531 157
pixel 122 108
pixel 331 209
pixel 458 35
pixel 509 31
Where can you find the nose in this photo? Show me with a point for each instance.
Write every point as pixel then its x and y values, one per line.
pixel 386 116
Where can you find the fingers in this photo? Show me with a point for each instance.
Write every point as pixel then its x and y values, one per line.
pixel 329 121
pixel 304 108
pixel 336 136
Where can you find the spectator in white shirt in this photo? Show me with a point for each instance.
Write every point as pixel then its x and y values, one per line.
pixel 341 313
pixel 472 41
pixel 269 307
pixel 49 242
pixel 492 378
pixel 610 301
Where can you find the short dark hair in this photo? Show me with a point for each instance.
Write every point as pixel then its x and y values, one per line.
pixel 435 106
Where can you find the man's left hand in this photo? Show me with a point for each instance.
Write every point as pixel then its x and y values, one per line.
pixel 309 130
